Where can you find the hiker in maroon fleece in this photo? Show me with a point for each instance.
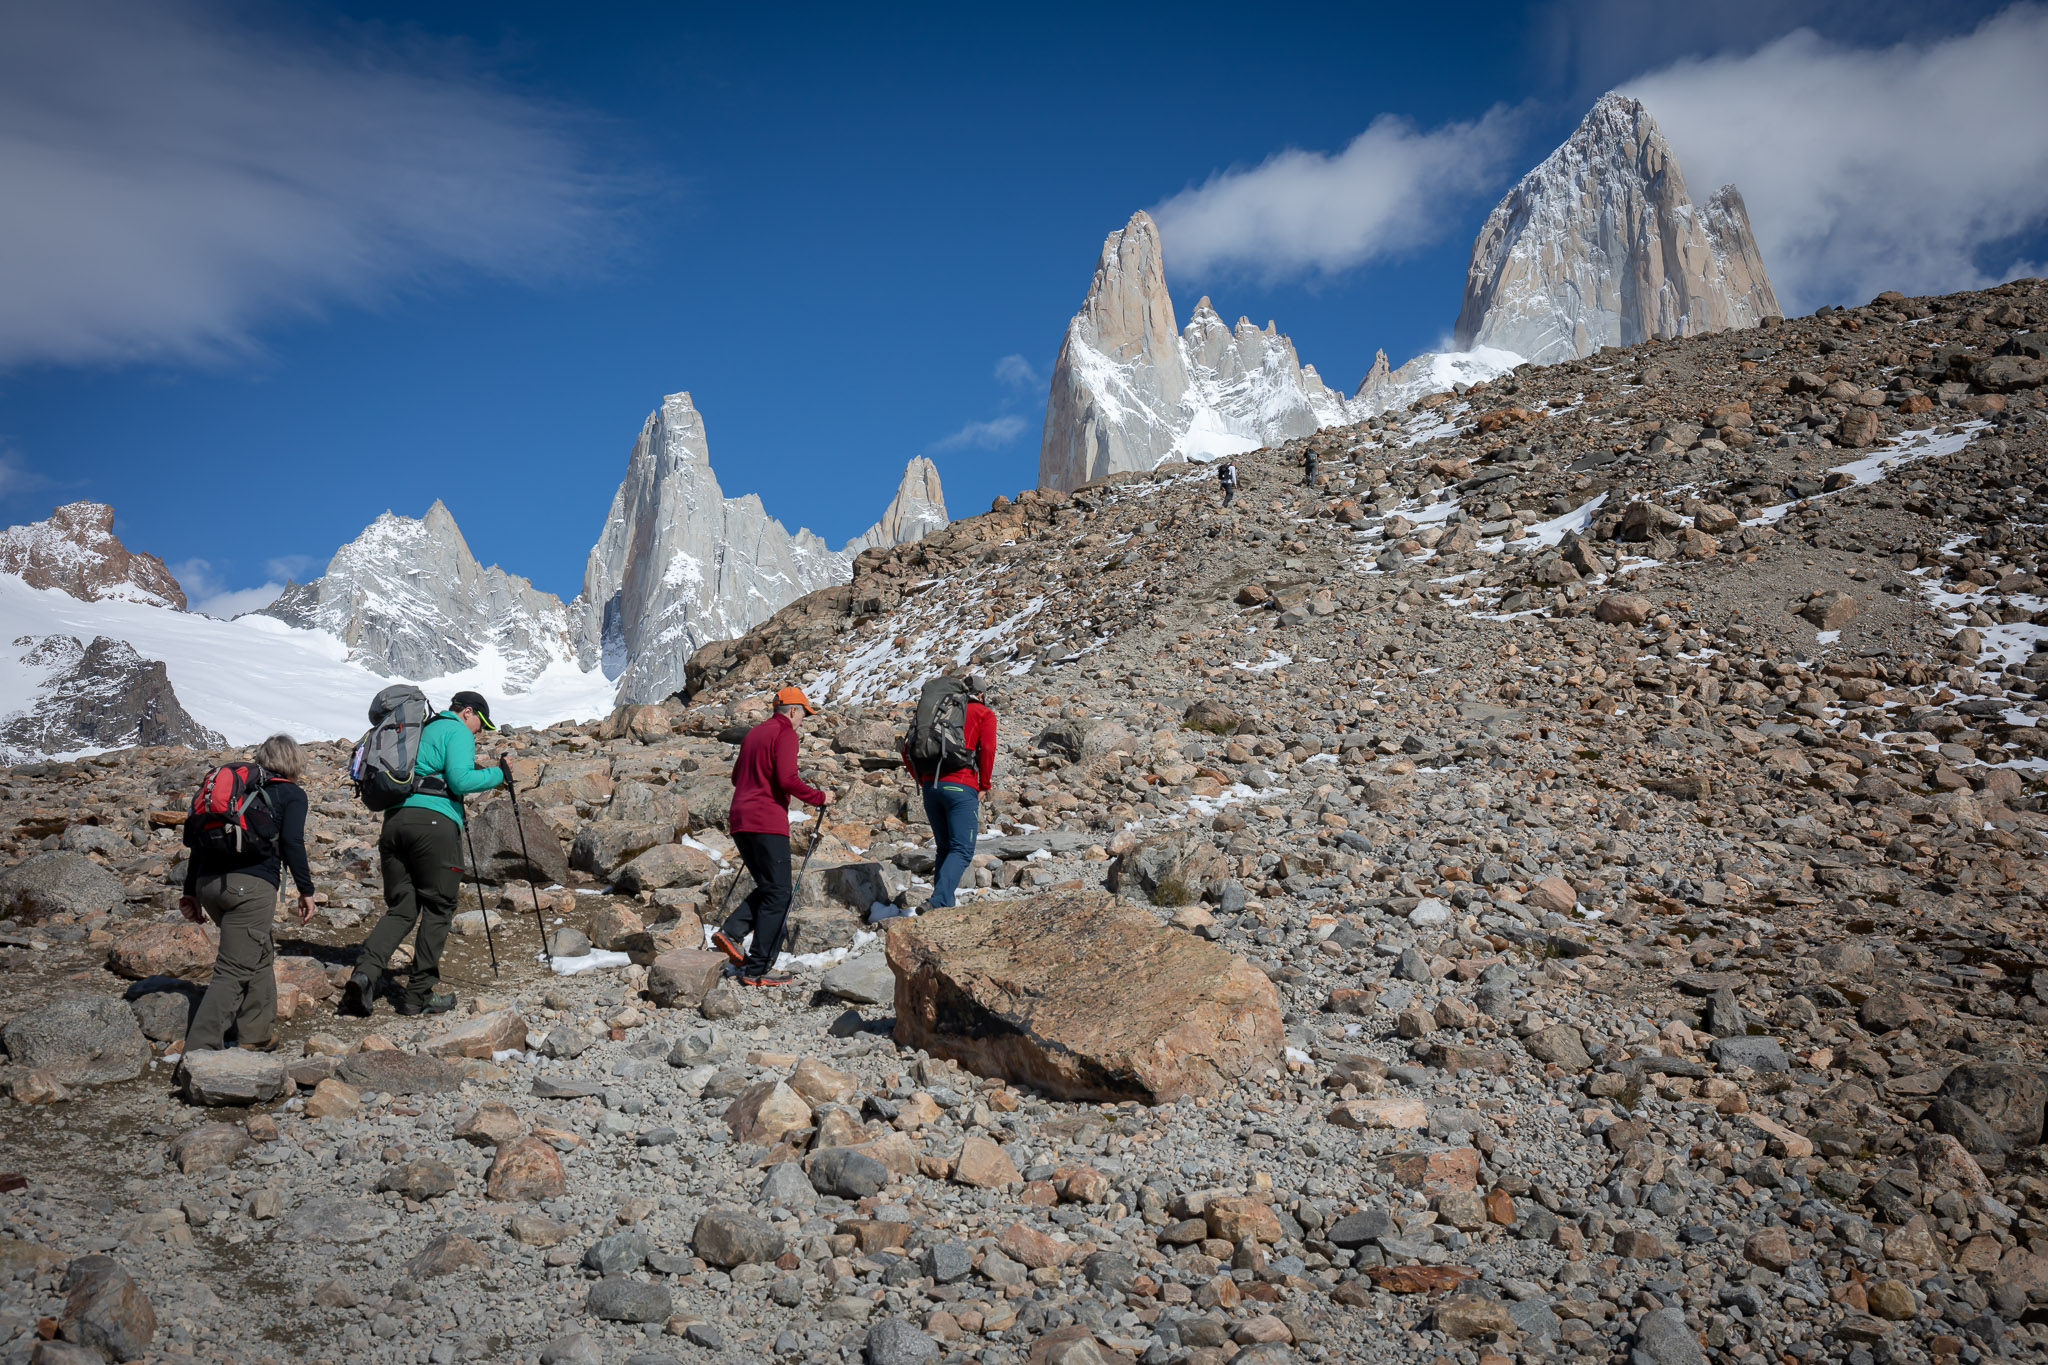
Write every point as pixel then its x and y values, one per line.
pixel 764 777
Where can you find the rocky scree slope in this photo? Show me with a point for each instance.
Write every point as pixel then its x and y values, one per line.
pixel 1629 795
pixel 1601 245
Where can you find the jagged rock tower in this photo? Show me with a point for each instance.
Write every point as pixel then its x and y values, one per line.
pixel 1601 246
pixel 1128 391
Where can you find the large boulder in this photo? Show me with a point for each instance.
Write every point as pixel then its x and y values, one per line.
pixel 105 1310
pixel 665 865
pixel 59 882
pixel 79 1040
pixel 1085 737
pixel 1082 997
pixel 1174 868
pixel 1992 1107
pixel 604 847
pixel 176 949
pixel 499 854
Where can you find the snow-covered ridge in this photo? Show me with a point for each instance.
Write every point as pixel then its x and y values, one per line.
pixel 75 550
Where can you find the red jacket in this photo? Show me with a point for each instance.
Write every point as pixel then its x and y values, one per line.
pixel 764 777
pixel 980 734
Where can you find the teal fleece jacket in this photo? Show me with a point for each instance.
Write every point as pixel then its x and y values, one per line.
pixel 449 752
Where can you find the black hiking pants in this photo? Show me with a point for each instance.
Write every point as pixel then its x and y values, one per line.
pixel 765 910
pixel 422 856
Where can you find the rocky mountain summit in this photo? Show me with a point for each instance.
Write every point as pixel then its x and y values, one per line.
pixel 409 600
pixel 76 551
pixel 679 564
pixel 1129 391
pixel 96 696
pixel 1601 245
pixel 1567 885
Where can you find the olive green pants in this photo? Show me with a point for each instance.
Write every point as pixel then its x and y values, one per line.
pixel 421 851
pixel 244 987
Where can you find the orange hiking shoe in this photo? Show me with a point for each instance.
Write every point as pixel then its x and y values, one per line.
pixel 723 942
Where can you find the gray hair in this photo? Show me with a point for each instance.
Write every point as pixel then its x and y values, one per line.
pixel 282 755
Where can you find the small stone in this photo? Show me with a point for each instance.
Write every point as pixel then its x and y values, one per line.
pixel 983 1165
pixel 1561 1046
pixel 420 1180
pixel 765 1113
pixel 620 1298
pixel 491 1124
pixel 730 1237
pixel 847 1172
pixel 579 1348
pixel 1554 894
pixel 445 1255
pixel 1463 1317
pixel 892 1341
pixel 105 1310
pixel 1892 1300
pixel 1772 1249
pixel 209 1144
pixel 332 1099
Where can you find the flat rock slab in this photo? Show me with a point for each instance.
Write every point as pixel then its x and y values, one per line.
pixel 1082 997
pixel 399 1073
pixel 338 1220
pixel 547 1089
pixel 865 980
pixel 232 1076
pixel 480 1035
pixel 1706 983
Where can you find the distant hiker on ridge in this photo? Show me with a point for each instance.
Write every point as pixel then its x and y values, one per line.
pixel 421 845
pixel 247 823
pixel 951 751
pixel 1227 476
pixel 764 777
pixel 1308 467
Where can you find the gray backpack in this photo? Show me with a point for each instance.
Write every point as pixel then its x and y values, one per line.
pixel 383 764
pixel 937 741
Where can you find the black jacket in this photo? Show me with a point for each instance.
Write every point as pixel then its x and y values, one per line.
pixel 288 799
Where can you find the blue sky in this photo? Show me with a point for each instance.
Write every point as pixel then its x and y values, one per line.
pixel 278 269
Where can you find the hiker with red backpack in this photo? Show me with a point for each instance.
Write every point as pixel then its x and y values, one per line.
pixel 247 823
pixel 951 751
pixel 764 778
pixel 416 767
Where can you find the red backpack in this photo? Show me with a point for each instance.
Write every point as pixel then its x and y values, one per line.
pixel 231 812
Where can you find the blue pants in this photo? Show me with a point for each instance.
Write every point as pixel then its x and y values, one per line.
pixel 954 811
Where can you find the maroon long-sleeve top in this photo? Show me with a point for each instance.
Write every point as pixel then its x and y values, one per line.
pixel 764 777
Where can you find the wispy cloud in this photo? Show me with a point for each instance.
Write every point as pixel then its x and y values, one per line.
pixel 176 178
pixel 1016 371
pixel 1302 212
pixel 288 566
pixel 1906 167
pixel 997 431
pixel 17 478
pixel 208 595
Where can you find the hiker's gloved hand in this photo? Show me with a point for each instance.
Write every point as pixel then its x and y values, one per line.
pixel 188 906
pixel 505 767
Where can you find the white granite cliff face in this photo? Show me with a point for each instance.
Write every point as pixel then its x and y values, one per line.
pixel 1600 245
pixel 1129 391
pixel 410 601
pixel 679 564
pixel 75 551
pixel 917 510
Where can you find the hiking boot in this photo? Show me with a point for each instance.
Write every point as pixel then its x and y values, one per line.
pixel 267 1045
pixel 723 942
pixel 769 979
pixel 359 994
pixel 440 1002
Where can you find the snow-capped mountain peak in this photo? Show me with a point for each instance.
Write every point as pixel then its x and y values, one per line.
pixel 1600 245
pixel 76 551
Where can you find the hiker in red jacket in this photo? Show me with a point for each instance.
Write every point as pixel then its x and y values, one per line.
pixel 952 799
pixel 764 777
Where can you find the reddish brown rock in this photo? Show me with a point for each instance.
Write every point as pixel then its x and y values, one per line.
pixel 1439 1170
pixel 766 1113
pixel 1082 997
pixel 179 949
pixel 305 973
pixel 76 551
pixel 1028 1246
pixel 480 1035
pixel 1554 894
pixel 984 1165
pixel 526 1169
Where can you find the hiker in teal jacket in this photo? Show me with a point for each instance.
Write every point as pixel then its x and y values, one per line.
pixel 421 850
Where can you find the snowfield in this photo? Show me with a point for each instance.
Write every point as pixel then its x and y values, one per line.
pixel 255 676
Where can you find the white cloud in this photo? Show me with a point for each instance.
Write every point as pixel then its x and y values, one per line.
pixel 997 431
pixel 175 179
pixel 1300 212
pixel 208 595
pixel 1908 167
pixel 288 566
pixel 1016 371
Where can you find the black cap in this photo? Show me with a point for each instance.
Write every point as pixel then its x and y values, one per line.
pixel 473 701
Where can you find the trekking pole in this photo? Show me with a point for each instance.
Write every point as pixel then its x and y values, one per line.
pixel 519 823
pixel 476 879
pixel 797 889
